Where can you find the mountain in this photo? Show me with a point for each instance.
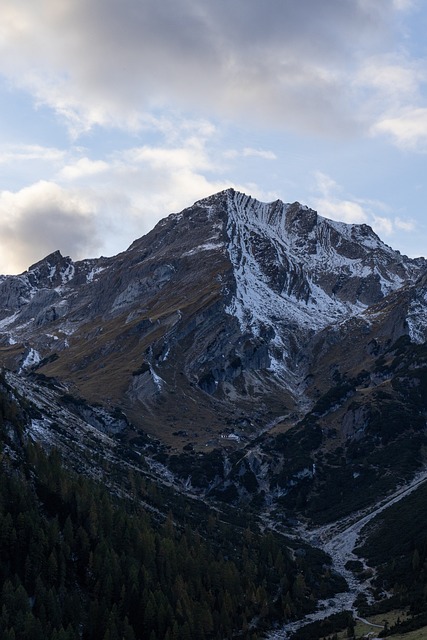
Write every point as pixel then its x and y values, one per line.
pixel 232 310
pixel 237 324
pixel 243 355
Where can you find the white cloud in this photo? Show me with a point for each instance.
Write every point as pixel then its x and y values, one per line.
pixel 394 77
pixel 249 152
pixel 342 210
pixel 180 76
pixel 405 225
pixel 331 204
pixel 408 129
pixel 394 86
pixel 391 226
pixel 83 168
pixel 383 226
pixel 186 157
pixel 325 184
pixel 89 207
pixel 12 153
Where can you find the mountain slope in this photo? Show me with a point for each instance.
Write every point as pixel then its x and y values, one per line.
pixel 227 310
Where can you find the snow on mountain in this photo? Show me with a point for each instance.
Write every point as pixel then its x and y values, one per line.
pixel 233 290
pixel 416 318
pixel 295 269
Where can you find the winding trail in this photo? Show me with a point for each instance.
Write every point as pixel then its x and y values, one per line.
pixel 339 540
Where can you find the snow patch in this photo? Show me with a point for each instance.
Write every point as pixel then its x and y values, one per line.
pixel 68 328
pixel 94 272
pixel 165 355
pixel 68 273
pixel 8 320
pixel 417 319
pixel 33 357
pixel 209 246
pixel 40 428
pixel 158 381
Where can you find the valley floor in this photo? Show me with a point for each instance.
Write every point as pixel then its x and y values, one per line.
pixel 339 540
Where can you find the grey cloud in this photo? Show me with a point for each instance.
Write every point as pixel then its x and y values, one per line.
pixel 282 60
pixel 40 219
pixel 45 231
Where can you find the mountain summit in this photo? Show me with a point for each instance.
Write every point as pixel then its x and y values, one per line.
pixel 231 315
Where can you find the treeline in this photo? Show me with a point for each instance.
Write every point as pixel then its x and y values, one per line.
pixel 327 628
pixel 79 563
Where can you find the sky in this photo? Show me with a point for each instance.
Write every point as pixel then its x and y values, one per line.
pixel 116 113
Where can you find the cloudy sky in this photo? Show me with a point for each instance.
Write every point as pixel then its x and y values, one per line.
pixel 115 113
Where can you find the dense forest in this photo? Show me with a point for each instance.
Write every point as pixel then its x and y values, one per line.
pixel 397 547
pixel 81 561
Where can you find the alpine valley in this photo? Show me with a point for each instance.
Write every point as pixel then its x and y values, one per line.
pixel 248 379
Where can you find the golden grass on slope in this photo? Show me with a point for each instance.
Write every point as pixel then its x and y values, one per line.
pixel 103 354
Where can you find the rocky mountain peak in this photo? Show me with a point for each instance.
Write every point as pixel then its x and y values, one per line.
pixel 217 301
pixel 53 258
pixel 300 220
pixel 52 271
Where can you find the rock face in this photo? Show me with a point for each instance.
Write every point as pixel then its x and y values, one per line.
pixel 224 317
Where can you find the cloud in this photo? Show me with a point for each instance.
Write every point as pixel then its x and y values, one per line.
pixel 111 63
pixel 330 203
pixel 404 225
pixel 391 226
pixel 191 155
pixel 395 78
pixel 408 129
pixel 383 226
pixel 12 153
pixel 403 5
pixel 331 206
pixel 83 168
pixel 394 97
pixel 249 152
pixel 393 86
pixel 41 218
pixel 92 206
pixel 180 77
pixel 342 210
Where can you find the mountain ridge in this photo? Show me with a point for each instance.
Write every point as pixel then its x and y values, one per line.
pixel 236 291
